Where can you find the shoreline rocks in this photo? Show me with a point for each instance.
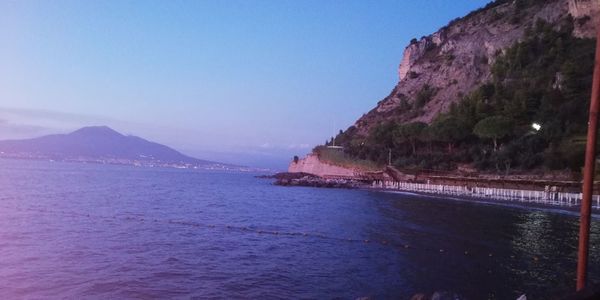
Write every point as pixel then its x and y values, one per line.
pixel 305 179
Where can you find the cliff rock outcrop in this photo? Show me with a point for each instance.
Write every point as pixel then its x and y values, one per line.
pixel 312 165
pixel 456 59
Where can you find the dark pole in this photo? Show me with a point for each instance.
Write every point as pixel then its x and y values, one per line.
pixel 588 172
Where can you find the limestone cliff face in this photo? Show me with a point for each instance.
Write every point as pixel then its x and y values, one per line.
pixel 457 58
pixel 312 165
pixel 587 14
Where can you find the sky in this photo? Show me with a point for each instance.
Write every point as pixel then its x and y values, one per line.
pixel 244 82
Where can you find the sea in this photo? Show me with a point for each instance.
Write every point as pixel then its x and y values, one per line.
pixel 92 231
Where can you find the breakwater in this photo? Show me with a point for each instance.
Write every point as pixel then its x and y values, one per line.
pixel 551 195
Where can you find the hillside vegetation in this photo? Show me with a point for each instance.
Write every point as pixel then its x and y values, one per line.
pixel 340 158
pixel 544 79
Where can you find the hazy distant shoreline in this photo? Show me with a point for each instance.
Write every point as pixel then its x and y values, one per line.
pixel 132 164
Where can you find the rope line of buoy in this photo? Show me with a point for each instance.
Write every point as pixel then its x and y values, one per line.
pixel 247 229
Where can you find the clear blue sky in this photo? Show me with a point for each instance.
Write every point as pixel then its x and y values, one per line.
pixel 248 82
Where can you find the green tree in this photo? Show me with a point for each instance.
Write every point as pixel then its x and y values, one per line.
pixel 494 128
pixel 380 140
pixel 409 133
pixel 424 95
pixel 427 136
pixel 450 130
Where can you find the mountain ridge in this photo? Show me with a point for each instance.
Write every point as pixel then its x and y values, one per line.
pixel 104 145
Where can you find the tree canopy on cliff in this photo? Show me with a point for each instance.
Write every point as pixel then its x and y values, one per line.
pixel 493 128
pixel 544 79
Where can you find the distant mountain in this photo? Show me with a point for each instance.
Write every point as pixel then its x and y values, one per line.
pixel 102 144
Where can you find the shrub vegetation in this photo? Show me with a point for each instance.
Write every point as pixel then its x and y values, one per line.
pixel 545 78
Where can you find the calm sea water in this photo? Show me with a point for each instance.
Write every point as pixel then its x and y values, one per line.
pixel 96 231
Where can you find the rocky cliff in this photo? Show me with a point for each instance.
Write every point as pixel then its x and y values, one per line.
pixel 312 165
pixel 437 70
